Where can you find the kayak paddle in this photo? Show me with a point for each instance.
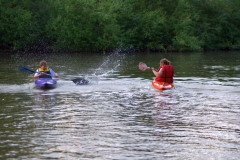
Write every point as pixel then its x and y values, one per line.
pixel 28 70
pixel 80 81
pixel 142 66
pixel 77 81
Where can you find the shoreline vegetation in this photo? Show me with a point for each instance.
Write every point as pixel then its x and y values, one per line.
pixel 93 26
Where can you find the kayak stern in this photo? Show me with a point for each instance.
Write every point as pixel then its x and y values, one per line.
pixel 162 85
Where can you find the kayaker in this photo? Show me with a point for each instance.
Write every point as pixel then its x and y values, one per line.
pixel 44 71
pixel 165 72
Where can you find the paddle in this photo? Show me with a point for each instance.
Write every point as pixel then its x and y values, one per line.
pixel 80 81
pixel 28 70
pixel 77 81
pixel 142 66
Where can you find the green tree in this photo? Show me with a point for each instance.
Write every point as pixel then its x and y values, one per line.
pixel 103 25
pixel 14 22
pixel 218 23
pixel 144 24
pixel 85 25
pixel 184 20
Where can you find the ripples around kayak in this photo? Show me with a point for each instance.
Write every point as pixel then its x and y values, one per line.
pixel 118 115
pixel 121 119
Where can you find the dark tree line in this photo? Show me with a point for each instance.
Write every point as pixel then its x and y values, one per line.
pixel 104 25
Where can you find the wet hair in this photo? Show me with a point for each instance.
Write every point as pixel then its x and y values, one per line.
pixel 165 61
pixel 43 63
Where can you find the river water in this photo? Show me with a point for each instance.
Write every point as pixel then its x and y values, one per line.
pixel 118 115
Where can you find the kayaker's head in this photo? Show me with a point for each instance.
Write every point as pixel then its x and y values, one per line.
pixel 43 64
pixel 164 61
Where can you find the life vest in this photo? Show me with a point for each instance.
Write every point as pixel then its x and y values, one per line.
pixel 47 71
pixel 167 74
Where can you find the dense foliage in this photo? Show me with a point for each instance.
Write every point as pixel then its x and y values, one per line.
pixel 103 25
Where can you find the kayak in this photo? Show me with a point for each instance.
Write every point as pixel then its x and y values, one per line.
pixel 45 83
pixel 162 85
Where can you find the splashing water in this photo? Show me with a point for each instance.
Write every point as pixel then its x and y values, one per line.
pixel 110 64
pixel 122 117
pixel 109 67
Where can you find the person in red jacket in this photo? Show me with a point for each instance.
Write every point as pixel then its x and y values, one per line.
pixel 165 72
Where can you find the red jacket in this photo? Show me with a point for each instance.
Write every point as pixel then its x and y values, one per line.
pixel 167 74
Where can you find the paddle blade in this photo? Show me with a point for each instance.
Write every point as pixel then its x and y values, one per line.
pixel 142 66
pixel 80 81
pixel 26 70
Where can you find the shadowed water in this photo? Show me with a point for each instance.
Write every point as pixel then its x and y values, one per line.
pixel 118 115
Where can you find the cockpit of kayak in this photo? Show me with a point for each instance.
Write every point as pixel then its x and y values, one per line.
pixel 45 83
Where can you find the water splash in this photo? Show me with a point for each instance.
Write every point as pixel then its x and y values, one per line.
pixel 109 67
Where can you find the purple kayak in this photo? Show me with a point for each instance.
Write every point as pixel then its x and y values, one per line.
pixel 45 83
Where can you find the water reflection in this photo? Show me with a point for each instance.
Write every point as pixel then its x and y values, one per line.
pixel 120 116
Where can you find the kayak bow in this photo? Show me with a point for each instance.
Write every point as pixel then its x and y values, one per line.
pixel 46 83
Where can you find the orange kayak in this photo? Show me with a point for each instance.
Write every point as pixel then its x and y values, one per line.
pixel 162 85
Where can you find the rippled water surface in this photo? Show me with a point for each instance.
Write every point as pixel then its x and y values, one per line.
pixel 118 115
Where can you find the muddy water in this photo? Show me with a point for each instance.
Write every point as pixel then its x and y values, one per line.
pixel 118 115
